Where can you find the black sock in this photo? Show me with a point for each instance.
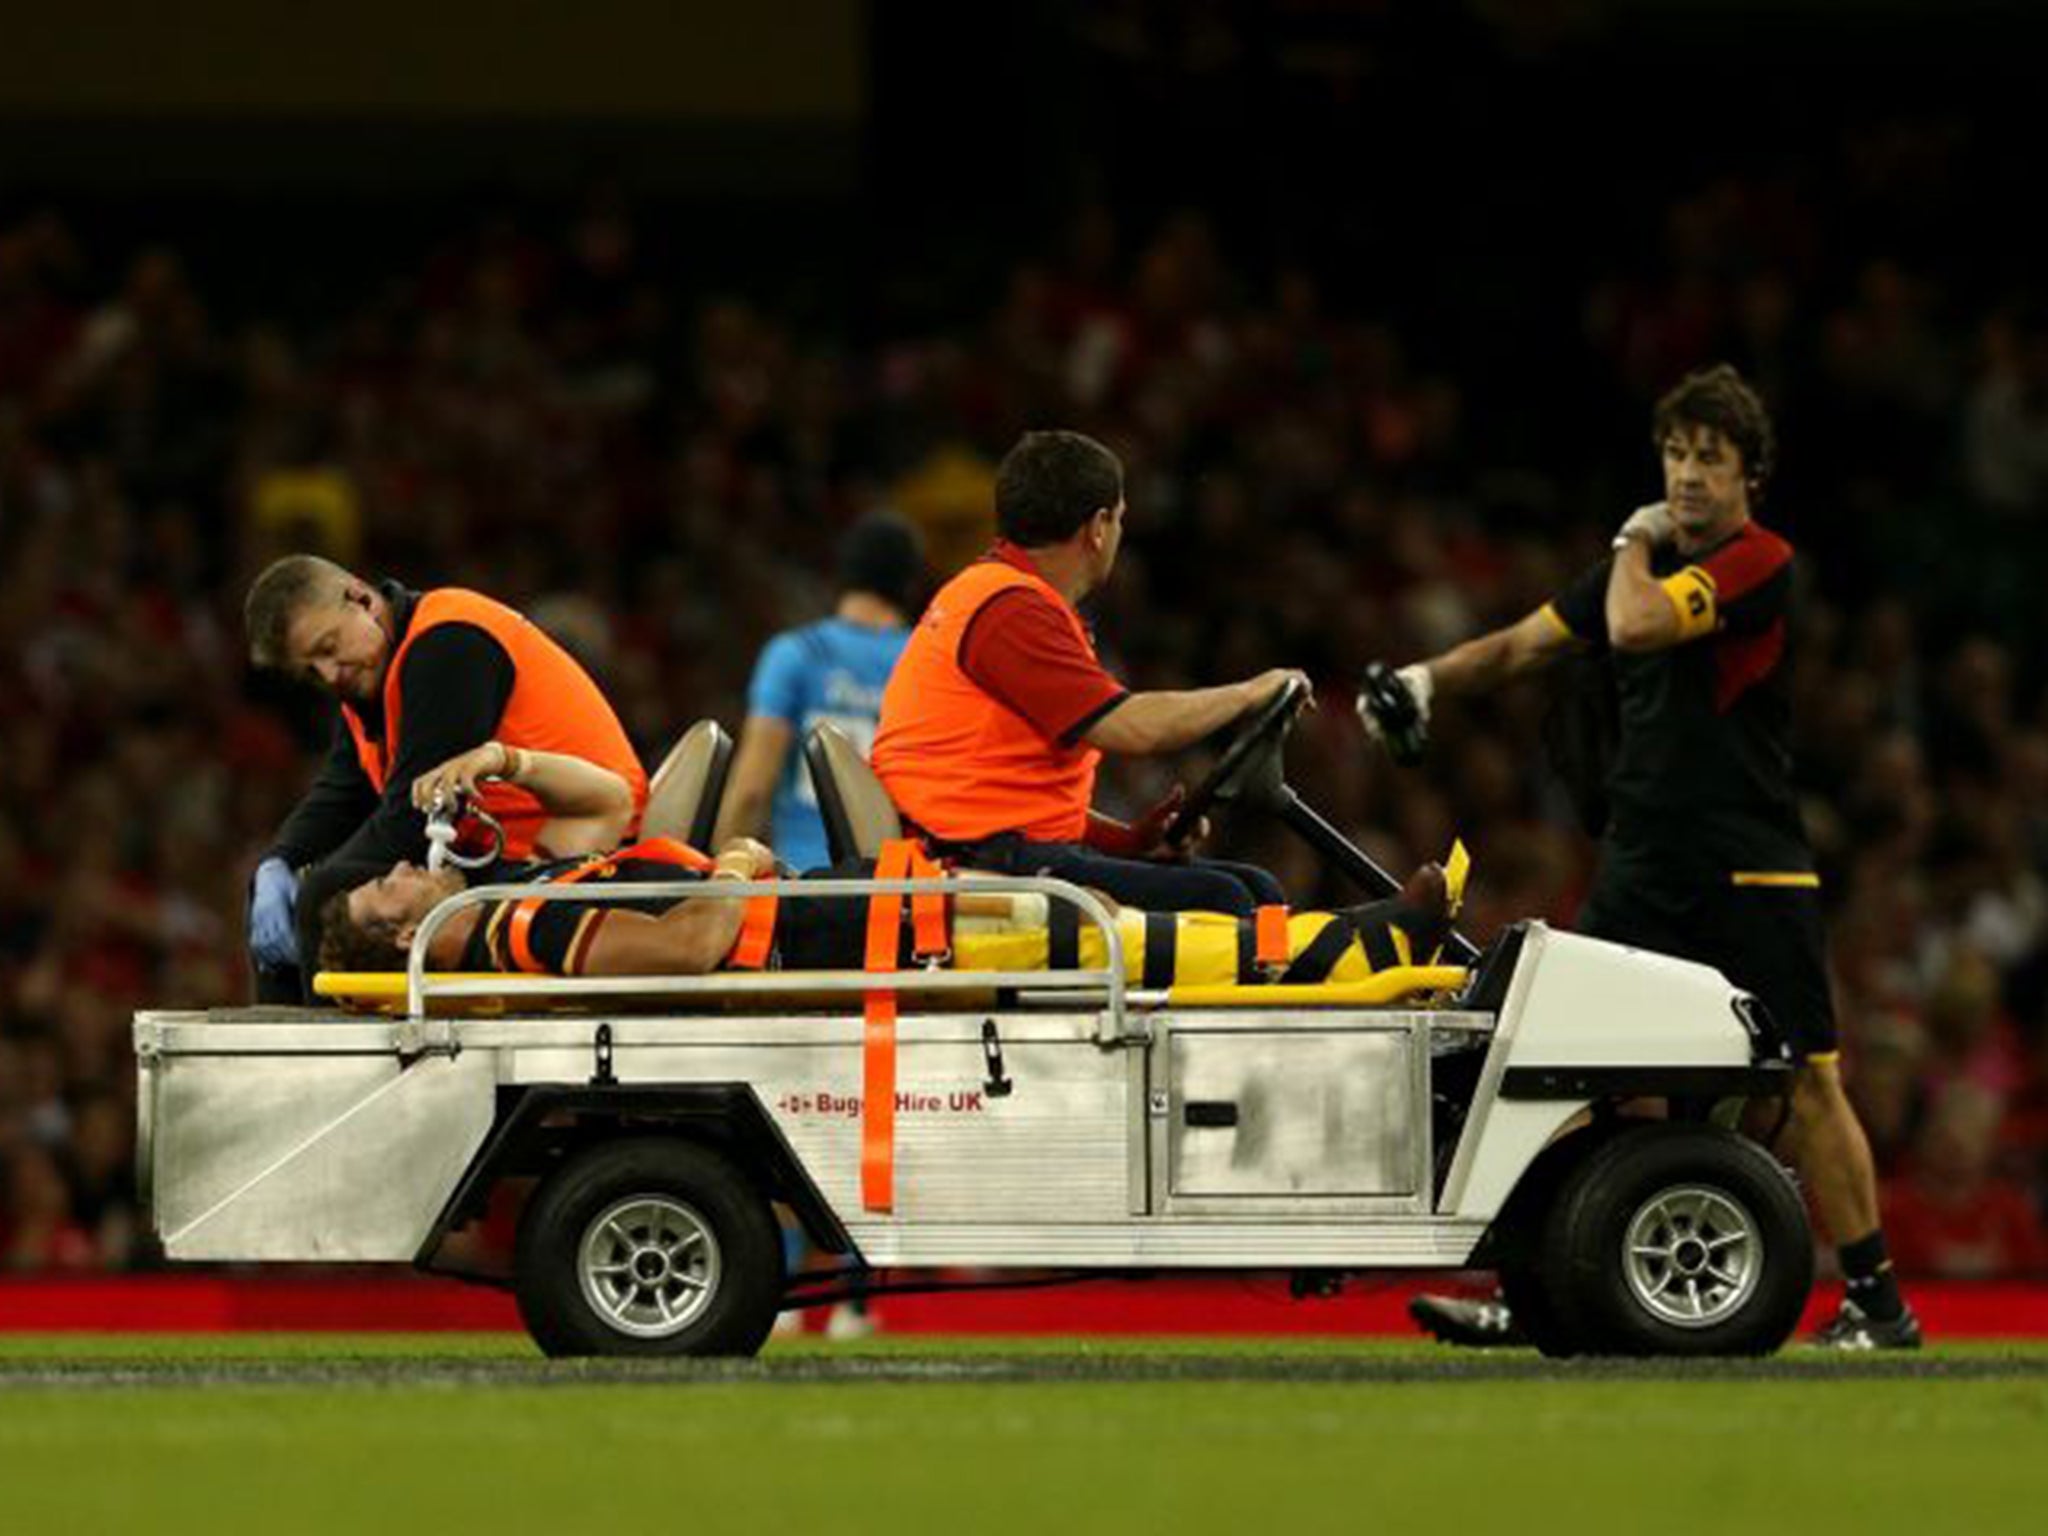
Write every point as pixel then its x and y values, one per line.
pixel 1872 1285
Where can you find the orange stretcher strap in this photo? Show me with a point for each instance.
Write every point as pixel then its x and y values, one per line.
pixel 900 860
pixel 519 930
pixel 750 951
pixel 878 1104
pixel 878 1039
pixel 665 850
pixel 1272 950
pixel 929 940
pixel 518 938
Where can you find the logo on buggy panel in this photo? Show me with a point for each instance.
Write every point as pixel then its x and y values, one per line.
pixel 827 1104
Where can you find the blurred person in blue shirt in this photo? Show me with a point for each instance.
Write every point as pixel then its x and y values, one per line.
pixel 833 670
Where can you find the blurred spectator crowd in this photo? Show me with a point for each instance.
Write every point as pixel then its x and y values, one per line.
pixel 533 410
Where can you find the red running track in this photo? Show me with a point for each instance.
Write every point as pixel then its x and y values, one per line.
pixel 344 1301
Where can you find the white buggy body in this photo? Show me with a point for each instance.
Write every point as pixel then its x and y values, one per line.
pixel 1043 1121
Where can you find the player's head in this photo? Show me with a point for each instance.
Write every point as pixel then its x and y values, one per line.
pixel 1057 487
pixel 1715 438
pixel 310 618
pixel 883 556
pixel 368 927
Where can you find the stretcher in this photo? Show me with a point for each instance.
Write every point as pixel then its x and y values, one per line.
pixel 996 1114
pixel 1324 955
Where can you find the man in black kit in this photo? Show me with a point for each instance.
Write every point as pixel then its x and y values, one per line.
pixel 1703 855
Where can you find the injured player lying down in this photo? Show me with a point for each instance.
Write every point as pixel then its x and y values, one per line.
pixel 370 927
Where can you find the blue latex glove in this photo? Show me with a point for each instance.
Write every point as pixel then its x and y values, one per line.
pixel 273 935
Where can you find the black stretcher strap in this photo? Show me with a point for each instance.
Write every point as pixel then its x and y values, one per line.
pixel 1062 935
pixel 1376 938
pixel 1320 955
pixel 1162 948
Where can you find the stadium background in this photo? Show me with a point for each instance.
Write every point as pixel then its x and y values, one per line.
pixel 621 319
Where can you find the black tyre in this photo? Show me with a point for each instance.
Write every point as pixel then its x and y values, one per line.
pixel 1524 1284
pixel 649 1247
pixel 1678 1240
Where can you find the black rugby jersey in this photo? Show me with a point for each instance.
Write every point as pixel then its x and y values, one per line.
pixel 811 933
pixel 1701 781
pixel 559 932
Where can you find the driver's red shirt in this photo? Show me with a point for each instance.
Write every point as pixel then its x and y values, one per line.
pixel 1022 651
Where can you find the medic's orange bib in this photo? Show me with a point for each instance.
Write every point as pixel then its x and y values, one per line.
pixel 554 707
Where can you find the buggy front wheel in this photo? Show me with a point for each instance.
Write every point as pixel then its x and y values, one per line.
pixel 1679 1240
pixel 651 1246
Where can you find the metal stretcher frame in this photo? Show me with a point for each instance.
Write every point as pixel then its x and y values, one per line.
pixel 425 1033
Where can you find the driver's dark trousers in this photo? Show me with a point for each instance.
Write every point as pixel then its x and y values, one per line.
pixel 1196 885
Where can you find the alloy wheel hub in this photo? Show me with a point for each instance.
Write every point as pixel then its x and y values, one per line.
pixel 1692 1255
pixel 649 1265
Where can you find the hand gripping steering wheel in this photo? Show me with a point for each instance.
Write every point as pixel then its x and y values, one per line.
pixel 1253 771
pixel 1251 766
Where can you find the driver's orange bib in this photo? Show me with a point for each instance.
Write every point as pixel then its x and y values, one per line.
pixel 958 763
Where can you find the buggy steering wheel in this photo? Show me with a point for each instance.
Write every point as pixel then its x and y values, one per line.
pixel 1251 764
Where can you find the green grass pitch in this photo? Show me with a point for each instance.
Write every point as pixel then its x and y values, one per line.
pixel 282 1434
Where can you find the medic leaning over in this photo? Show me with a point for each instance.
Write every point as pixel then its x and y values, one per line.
pixel 420 677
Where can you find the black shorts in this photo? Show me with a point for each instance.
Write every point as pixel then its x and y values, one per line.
pixel 829 933
pixel 1768 940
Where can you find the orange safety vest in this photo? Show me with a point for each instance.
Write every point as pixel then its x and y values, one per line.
pixel 554 707
pixel 960 764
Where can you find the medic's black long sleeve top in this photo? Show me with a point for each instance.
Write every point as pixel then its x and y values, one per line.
pixel 453 688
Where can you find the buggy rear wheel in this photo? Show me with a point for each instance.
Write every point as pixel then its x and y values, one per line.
pixel 651 1246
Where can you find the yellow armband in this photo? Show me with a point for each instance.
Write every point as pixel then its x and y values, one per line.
pixel 1691 592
